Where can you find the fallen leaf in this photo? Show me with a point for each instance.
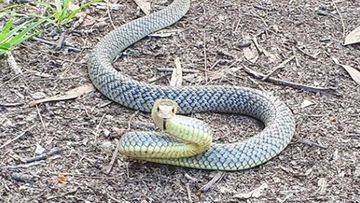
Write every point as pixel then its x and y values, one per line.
pixel 306 103
pixel 322 183
pixel 62 179
pixel 144 5
pixel 353 37
pixel 71 94
pixel 256 193
pixel 39 149
pixel 176 76
pixel 354 73
pixel 250 55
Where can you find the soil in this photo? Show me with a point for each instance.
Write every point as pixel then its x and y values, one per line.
pixel 321 164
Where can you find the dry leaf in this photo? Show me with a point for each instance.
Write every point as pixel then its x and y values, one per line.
pixel 176 76
pixel 250 54
pixel 306 103
pixel 255 193
pixel 353 37
pixel 62 179
pixel 322 183
pixel 71 94
pixel 145 5
pixel 354 73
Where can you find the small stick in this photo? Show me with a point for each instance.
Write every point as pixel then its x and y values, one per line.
pixel 41 119
pixel 296 59
pixel 172 69
pixel 109 14
pixel 341 19
pixel 291 84
pixel 11 104
pixel 17 137
pixel 312 57
pixel 187 185
pixel 113 158
pixel 215 179
pixel 192 179
pixel 312 143
pixel 22 177
pixel 44 156
pixel 151 80
pixel 60 42
pixel 205 58
pixel 259 49
pixel 24 165
pixel 176 76
pixel 281 65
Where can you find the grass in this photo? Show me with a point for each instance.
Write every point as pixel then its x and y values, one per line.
pixel 12 35
pixel 61 12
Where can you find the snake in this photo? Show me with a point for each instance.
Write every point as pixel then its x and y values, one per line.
pixel 277 117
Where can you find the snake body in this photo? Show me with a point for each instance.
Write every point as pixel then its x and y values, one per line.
pixel 276 116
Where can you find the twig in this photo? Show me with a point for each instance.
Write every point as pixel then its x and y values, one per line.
pixel 41 120
pixel 312 143
pixel 187 186
pixel 293 49
pixel 176 76
pixel 17 137
pixel 113 158
pixel 281 65
pixel 109 14
pixel 60 42
pixel 183 70
pixel 24 165
pixel 11 104
pixel 257 46
pixel 205 58
pixel 314 89
pixel 151 80
pixel 113 198
pixel 130 120
pixel 44 156
pixel 341 19
pixel 312 57
pixel 218 176
pixel 22 177
pixel 192 179
pixel 63 195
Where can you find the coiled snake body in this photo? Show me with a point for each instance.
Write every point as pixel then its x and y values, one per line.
pixel 276 116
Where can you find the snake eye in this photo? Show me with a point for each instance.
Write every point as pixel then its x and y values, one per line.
pixel 173 110
pixel 158 109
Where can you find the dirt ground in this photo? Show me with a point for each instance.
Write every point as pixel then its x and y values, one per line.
pixel 321 164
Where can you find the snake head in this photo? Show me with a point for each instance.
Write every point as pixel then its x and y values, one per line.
pixel 163 110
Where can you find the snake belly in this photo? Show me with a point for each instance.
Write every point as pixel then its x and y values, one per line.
pixel 276 116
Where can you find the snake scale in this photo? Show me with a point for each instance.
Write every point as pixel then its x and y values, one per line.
pixel 276 116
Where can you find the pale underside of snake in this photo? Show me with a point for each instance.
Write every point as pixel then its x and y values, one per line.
pixel 276 116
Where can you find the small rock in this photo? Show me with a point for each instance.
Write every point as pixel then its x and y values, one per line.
pixel 39 149
pixel 31 116
pixel 357 171
pixel 5 122
pixel 106 132
pixel 107 146
pixel 38 95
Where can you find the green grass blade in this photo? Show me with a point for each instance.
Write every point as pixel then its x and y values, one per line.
pixel 24 34
pixel 6 29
